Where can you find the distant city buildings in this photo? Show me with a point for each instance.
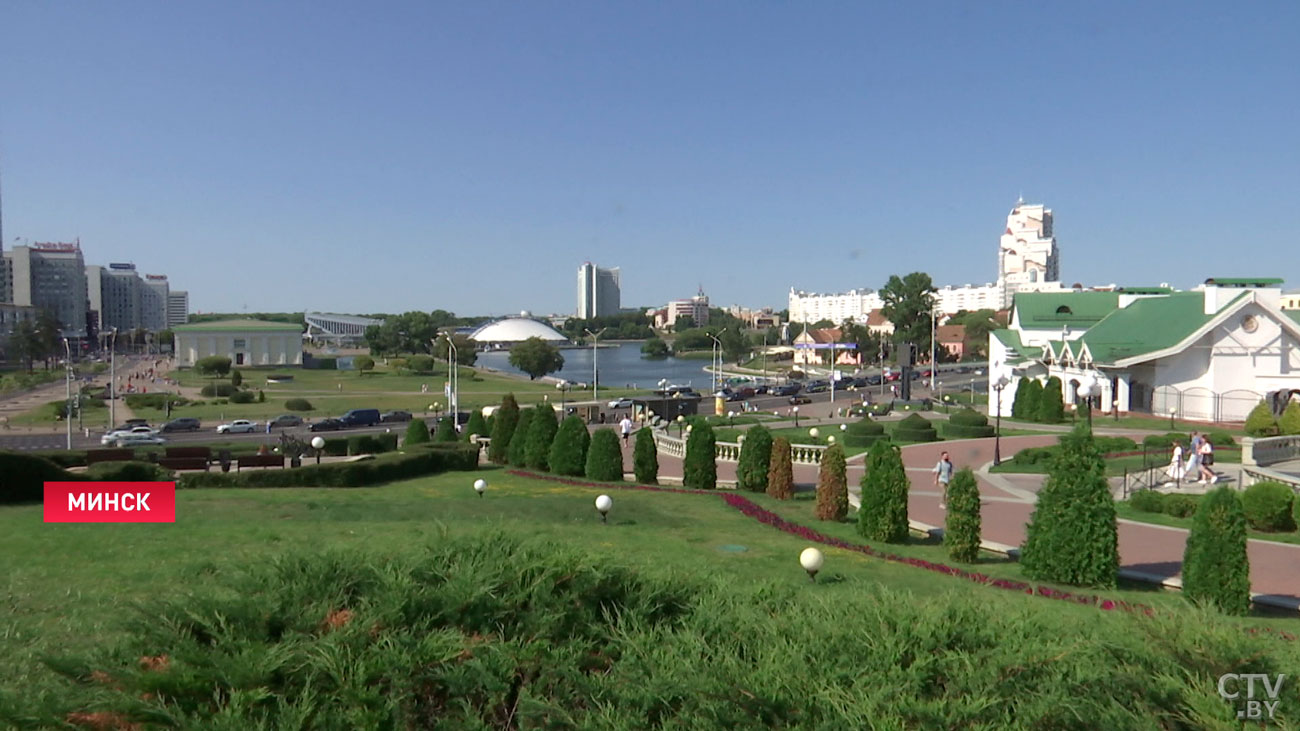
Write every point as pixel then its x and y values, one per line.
pixel 52 277
pixel 598 291
pixel 758 319
pixel 696 308
pixel 178 307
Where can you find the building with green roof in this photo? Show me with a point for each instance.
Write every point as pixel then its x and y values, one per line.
pixel 1209 354
pixel 245 342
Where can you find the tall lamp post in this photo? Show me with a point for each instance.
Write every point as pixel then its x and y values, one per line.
pixel 1088 389
pixel 595 374
pixel 453 393
pixel 998 385
pixel 564 390
pixel 716 363
pixel 934 319
pixel 112 380
pixel 67 406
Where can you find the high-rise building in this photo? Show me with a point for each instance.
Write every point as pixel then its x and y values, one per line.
pixel 1027 253
pixel 52 277
pixel 178 307
pixel 153 302
pixel 116 296
pixel 598 291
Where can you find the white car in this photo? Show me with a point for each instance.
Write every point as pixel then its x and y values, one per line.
pixel 135 431
pixel 138 440
pixel 238 426
pixel 621 403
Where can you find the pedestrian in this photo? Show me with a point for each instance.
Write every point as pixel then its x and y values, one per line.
pixel 626 427
pixel 1207 463
pixel 1193 470
pixel 1175 470
pixel 942 475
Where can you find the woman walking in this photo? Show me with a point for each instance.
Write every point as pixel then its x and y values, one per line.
pixel 1176 470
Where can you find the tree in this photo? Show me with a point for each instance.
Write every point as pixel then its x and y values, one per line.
pixel 466 349
pixel 755 458
pixel 780 470
pixel 605 458
pixel 654 348
pixel 1051 404
pixel 978 325
pixel 25 343
pixel 541 433
pixel 363 363
pixel 734 345
pixel 476 424
pixel 700 468
pixel 519 444
pixel 1260 421
pixel 883 512
pixel 503 428
pixel 683 323
pixel 1290 421
pixel 1072 536
pixel 832 485
pixel 961 532
pixel 236 378
pixel 1028 394
pixel 420 363
pixel 417 432
pixel 645 458
pixel 213 365
pixel 49 333
pixel 536 357
pixel 908 303
pixel 1216 569
pixel 568 455
pixel 446 430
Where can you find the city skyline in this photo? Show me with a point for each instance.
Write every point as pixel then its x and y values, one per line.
pixel 749 151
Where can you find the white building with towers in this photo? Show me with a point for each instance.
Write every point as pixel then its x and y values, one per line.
pixel 1027 253
pixel 598 291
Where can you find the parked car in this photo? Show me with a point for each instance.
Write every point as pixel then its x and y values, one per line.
pixel 238 426
pixel 184 423
pixel 746 391
pixel 873 379
pixel 799 398
pixel 893 376
pixel 285 420
pixel 761 389
pixel 736 396
pixel 788 389
pixel 328 424
pixel 361 417
pixel 138 439
pixel 390 416
pixel 621 403
pixel 817 387
pixel 126 431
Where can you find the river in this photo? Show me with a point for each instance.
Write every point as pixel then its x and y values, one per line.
pixel 620 367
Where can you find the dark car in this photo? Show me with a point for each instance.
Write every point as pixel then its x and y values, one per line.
pixel 761 389
pixel 330 424
pixel 285 420
pixel 788 389
pixel 817 387
pixel 388 416
pixel 184 423
pixel 736 396
pixel 746 391
pixel 360 417
pixel 799 399
pixel 873 380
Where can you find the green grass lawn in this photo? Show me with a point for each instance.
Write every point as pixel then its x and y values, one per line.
pixel 1116 466
pixel 1126 510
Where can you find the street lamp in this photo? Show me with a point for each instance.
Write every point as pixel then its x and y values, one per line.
pixel 811 560
pixel 603 504
pixel 814 432
pixel 1172 412
pixel 795 410
pixel 480 486
pixel 318 443
pixel 844 427
pixel 564 390
pixel 595 374
pixel 453 394
pixel 998 385
pixel 830 441
pixel 934 319
pixel 715 363
pixel 1115 408
pixel 1088 389
pixel 112 381
pixel 681 422
pixel 67 405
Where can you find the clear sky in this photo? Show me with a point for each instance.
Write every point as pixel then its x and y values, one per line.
pixel 386 156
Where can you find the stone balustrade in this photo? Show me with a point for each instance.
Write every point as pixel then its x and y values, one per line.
pixel 1270 450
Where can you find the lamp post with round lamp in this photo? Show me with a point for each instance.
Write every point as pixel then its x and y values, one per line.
pixel 1172 413
pixel 563 386
pixel 318 443
pixel 681 425
pixel 998 385
pixel 811 560
pixel 795 411
pixel 480 486
pixel 603 504
pixel 814 433
pixel 1088 389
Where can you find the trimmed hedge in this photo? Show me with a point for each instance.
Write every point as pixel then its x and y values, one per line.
pixel 967 424
pixel 130 472
pixel 371 444
pixel 417 432
pixel 152 400
pixel 864 433
pixel 25 476
pixel 1180 506
pixel 755 456
pixel 604 457
pixel 428 460
pixel 1147 501
pixel 1260 422
pixel 915 428
pixel 1268 506
pixel 645 458
pixel 221 390
pixel 243 397
pixel 298 404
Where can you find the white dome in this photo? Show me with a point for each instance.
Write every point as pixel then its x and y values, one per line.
pixel 516 330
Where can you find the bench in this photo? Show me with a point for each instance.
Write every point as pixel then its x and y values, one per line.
pixel 108 455
pixel 184 463
pixel 204 453
pixel 260 460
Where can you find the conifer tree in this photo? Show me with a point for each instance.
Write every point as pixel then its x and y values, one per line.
pixel 961 533
pixel 417 432
pixel 504 421
pixel 780 470
pixel 518 453
pixel 475 425
pixel 700 466
pixel 1051 403
pixel 446 430
pixel 755 456
pixel 883 512
pixel 541 433
pixel 568 454
pixel 832 485
pixel 1216 569
pixel 1290 421
pixel 645 458
pixel 605 458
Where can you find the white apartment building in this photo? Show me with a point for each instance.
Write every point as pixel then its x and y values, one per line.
pixel 854 304
pixel 178 307
pixel 598 291
pixel 1027 252
pixel 696 308
pixel 50 276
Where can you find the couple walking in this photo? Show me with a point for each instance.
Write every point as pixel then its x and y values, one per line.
pixel 1199 462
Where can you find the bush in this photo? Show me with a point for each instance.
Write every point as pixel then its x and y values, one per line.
pixel 1051 405
pixel 363 363
pixel 1290 421
pixel 864 433
pixel 476 425
pixel 915 428
pixel 504 421
pixel 151 400
pixel 236 378
pixel 1180 506
pixel 1109 445
pixel 417 432
pixel 1164 441
pixel 1072 536
pixel 568 454
pixel 883 512
pixel 755 458
pixel 221 390
pixel 1024 406
pixel 446 431
pixel 129 472
pixel 213 365
pixel 298 404
pixel 1220 438
pixel 25 476
pixel 371 444
pixel 967 424
pixel 605 457
pixel 261 397
pixel 243 397
pixel 335 447
pixel 420 364
pixel 645 458
pixel 700 467
pixel 1216 569
pixel 518 451
pixel 541 432
pixel 780 470
pixel 1260 421
pixel 1147 501
pixel 386 468
pixel 1267 506
pixel 832 485
pixel 961 533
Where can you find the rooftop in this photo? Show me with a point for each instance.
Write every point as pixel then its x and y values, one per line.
pixel 239 325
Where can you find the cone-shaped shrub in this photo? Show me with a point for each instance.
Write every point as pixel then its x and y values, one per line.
pixel 569 450
pixel 701 465
pixel 961 531
pixel 446 431
pixel 504 421
pixel 519 446
pixel 1216 570
pixel 1290 421
pixel 883 515
pixel 780 470
pixel 1072 536
pixel 417 432
pixel 864 433
pixel 1025 406
pixel 915 428
pixel 967 424
pixel 1260 421
pixel 1267 506
pixel 541 433
pixel 832 485
pixel 605 458
pixel 1051 404
pixel 1018 403
pixel 755 456
pixel 645 458
pixel 475 425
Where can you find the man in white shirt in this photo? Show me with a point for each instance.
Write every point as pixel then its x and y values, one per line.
pixel 626 427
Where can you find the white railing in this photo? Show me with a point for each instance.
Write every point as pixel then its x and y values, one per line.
pixel 727 451
pixel 730 451
pixel 806 453
pixel 672 446
pixel 1251 475
pixel 1270 450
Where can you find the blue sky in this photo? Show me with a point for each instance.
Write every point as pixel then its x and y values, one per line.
pixel 389 156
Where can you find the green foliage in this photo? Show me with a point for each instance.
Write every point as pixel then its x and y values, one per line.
pixel 428 460
pixel 605 457
pixel 218 390
pixel 755 457
pixel 569 449
pixel 476 424
pixel 1180 506
pixel 908 302
pixel 915 428
pixel 700 467
pixel 961 533
pixel 129 471
pixel 864 433
pixel 1260 421
pixel 1147 501
pixel 1072 536
pixel 645 458
pixel 363 363
pixel 417 432
pixel 298 404
pixel 1025 405
pixel 654 348
pixel 541 432
pixel 1051 406
pixel 236 378
pixel 1290 421
pixel 25 476
pixel 623 326
pixel 213 365
pixel 422 364
pixel 261 397
pixel 243 397
pixel 446 431
pixel 504 421
pixel 780 470
pixel 536 357
pixel 152 400
pixel 1267 506
pixel 883 513
pixel 1216 569
pixel 518 452
pixel 371 444
pixel 832 485
pixel 967 424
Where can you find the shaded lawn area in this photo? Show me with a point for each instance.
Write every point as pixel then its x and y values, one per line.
pixel 1126 510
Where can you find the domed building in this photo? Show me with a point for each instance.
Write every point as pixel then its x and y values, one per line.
pixel 506 332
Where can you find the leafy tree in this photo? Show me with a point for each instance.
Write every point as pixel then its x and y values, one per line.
pixel 1216 569
pixel 25 343
pixel 883 513
pixel 907 303
pixel 978 325
pixel 363 363
pixel 1051 404
pixel 503 428
pixel 654 348
pixel 832 485
pixel 780 470
pixel 693 339
pixel 446 430
pixel 734 345
pixel 1260 422
pixel 755 458
pixel 700 468
pixel 645 458
pixel 476 424
pixel 683 323
pixel 961 533
pixel 417 432
pixel 1290 421
pixel 49 335
pixel 568 454
pixel 213 365
pixel 541 433
pixel 236 378
pixel 1072 536
pixel 466 349
pixel 536 357
pixel 605 458
pixel 519 444
pixel 420 363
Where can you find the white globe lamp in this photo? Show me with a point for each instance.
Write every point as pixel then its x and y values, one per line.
pixel 480 486
pixel 603 504
pixel 811 560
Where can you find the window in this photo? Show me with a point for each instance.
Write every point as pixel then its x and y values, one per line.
pixel 1064 310
pixel 239 358
pixel 240 343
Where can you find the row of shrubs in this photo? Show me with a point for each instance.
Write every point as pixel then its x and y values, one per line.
pixel 426 459
pixel 964 424
pixel 25 475
pixel 1261 422
pixel 1270 507
pixel 533 438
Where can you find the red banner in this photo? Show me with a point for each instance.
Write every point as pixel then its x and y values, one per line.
pixel 110 502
